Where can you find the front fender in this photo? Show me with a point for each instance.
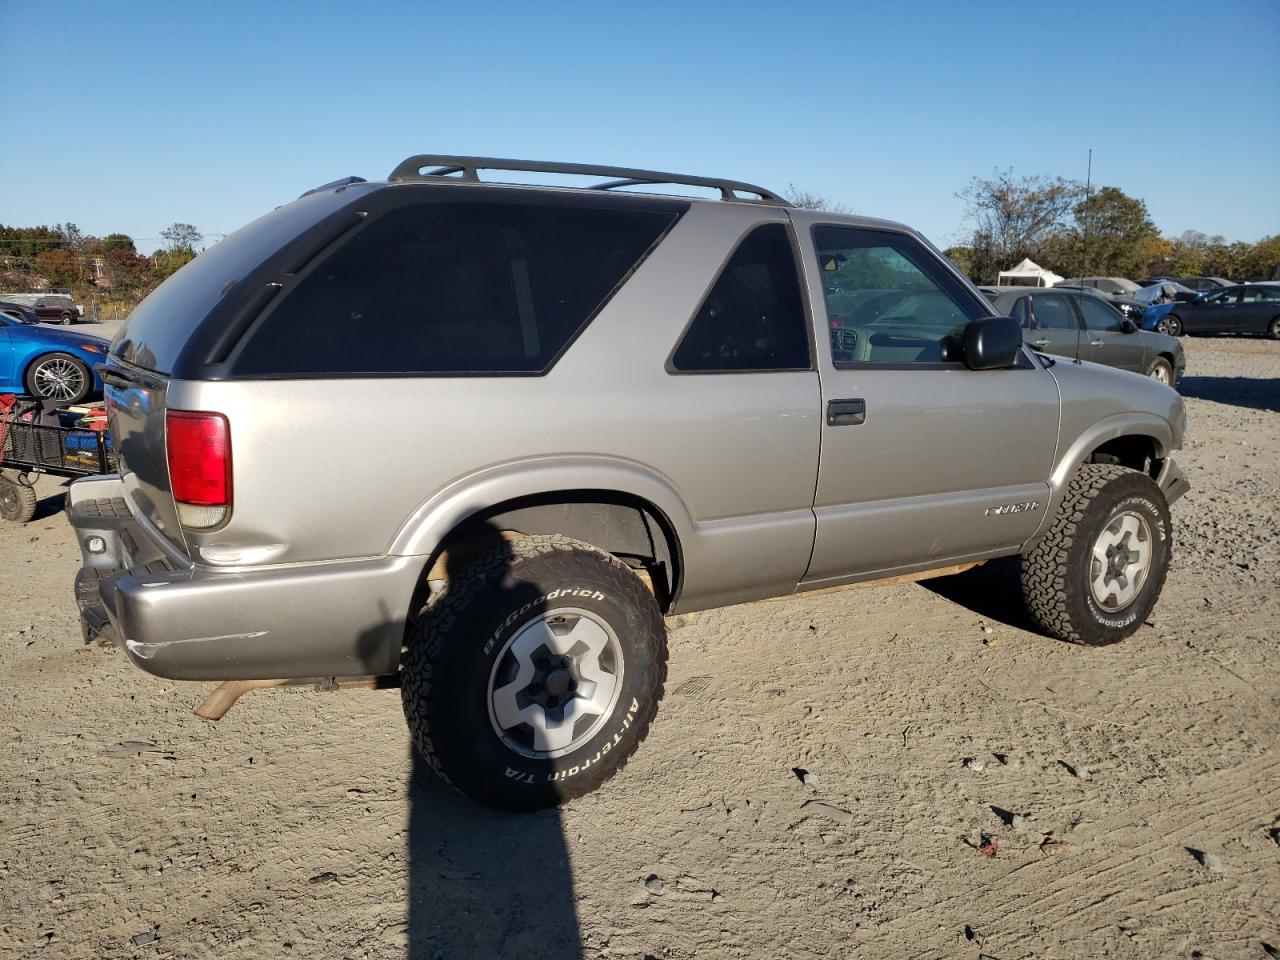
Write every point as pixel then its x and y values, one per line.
pixel 1136 424
pixel 467 496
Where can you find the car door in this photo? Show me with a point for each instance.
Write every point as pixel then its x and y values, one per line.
pixel 1108 338
pixel 1212 314
pixel 1253 311
pixel 923 461
pixel 1055 327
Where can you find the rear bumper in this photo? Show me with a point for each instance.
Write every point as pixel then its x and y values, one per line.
pixel 187 622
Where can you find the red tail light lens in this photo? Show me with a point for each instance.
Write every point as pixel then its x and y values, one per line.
pixel 199 451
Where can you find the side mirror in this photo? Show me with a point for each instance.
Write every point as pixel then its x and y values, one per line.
pixel 1128 326
pixel 992 343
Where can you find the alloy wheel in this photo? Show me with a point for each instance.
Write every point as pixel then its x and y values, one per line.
pixel 58 379
pixel 555 683
pixel 1120 561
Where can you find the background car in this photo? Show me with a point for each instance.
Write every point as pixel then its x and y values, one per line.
pixel 22 311
pixel 1113 286
pixel 49 363
pixel 49 307
pixel 1198 284
pixel 1244 308
pixel 1084 327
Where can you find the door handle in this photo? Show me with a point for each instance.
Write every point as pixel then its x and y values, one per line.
pixel 1096 343
pixel 1039 343
pixel 841 413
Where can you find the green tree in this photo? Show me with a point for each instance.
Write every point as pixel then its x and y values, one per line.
pixel 118 241
pixel 181 237
pixel 1112 236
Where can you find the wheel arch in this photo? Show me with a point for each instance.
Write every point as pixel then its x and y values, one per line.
pixel 1139 441
pixel 46 351
pixel 620 507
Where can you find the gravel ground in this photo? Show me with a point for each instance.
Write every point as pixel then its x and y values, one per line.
pixel 817 783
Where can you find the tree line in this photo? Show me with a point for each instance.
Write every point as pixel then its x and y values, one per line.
pixel 1080 232
pixel 61 257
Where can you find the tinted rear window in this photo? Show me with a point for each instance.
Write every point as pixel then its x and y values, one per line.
pixel 160 327
pixel 454 288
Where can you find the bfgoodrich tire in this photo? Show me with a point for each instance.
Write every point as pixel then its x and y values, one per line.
pixel 1094 577
pixel 536 674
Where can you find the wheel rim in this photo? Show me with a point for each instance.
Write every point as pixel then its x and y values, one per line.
pixel 1121 561
pixel 8 500
pixel 1160 372
pixel 58 379
pixel 555 683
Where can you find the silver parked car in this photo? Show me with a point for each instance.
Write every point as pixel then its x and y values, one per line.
pixel 1081 326
pixel 476 440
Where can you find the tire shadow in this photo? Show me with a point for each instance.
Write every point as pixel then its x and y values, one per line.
pixel 484 883
pixel 992 591
pixel 1254 393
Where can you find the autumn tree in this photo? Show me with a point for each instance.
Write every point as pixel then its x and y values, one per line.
pixel 1014 217
pixel 60 268
pixel 1111 236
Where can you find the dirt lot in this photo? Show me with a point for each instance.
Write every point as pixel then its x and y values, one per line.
pixel 300 825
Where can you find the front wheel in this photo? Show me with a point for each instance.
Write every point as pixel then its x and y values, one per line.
pixel 1274 331
pixel 1172 325
pixel 534 676
pixel 60 377
pixel 1161 370
pixel 1095 576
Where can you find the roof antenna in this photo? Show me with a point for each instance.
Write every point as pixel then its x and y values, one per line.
pixel 1088 180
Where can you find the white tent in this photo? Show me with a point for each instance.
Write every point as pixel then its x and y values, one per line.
pixel 1027 274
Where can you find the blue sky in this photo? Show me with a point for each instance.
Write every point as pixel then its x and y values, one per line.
pixel 131 115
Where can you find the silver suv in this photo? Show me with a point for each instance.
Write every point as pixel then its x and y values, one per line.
pixel 476 439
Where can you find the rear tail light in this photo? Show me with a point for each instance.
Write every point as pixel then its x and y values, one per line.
pixel 199 452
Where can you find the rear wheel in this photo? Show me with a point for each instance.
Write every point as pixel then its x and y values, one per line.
pixel 1162 370
pixel 60 377
pixel 1095 576
pixel 535 675
pixel 65 319
pixel 17 501
pixel 1172 325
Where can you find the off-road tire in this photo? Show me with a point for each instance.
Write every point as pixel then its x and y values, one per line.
pixel 452 649
pixel 1055 573
pixel 1160 364
pixel 17 501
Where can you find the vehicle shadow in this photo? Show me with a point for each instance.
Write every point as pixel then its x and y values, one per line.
pixel 1256 393
pixel 992 591
pixel 483 883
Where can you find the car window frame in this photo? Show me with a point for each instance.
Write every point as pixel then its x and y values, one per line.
pixel 805 307
pixel 1022 363
pixel 1071 304
pixel 1084 323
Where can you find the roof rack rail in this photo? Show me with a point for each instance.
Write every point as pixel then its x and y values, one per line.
pixel 469 167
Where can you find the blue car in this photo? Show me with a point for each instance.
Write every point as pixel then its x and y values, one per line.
pixel 48 362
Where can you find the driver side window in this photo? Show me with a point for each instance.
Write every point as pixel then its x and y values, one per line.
pixel 889 300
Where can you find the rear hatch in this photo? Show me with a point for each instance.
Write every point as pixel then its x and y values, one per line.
pixel 178 331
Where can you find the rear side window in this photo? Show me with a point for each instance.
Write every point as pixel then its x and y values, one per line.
pixel 1100 316
pixel 753 318
pixel 454 288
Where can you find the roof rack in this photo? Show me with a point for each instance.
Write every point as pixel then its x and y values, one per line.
pixel 469 167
